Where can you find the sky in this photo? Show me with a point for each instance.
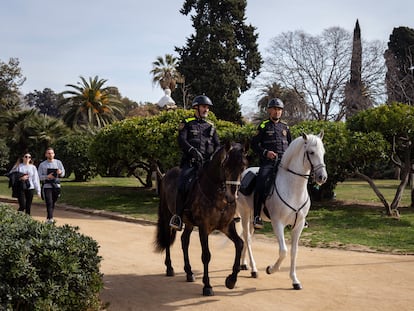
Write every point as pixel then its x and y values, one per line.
pixel 58 41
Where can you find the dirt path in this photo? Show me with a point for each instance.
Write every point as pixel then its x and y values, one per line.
pixel 332 279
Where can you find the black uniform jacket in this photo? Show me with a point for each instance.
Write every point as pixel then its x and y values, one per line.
pixel 271 136
pixel 199 134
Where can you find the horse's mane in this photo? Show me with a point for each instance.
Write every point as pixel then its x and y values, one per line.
pixel 295 147
pixel 213 158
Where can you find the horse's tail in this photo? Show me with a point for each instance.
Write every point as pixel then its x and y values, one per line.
pixel 158 175
pixel 165 236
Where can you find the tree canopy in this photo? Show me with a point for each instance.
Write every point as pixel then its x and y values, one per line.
pixel 400 66
pixel 395 122
pixel 11 78
pixel 46 101
pixel 30 131
pixel 318 67
pixel 164 72
pixel 91 105
pixel 222 56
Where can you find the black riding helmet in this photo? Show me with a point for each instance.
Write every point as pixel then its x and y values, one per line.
pixel 275 102
pixel 201 100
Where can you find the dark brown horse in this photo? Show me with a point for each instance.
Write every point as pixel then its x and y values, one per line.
pixel 211 205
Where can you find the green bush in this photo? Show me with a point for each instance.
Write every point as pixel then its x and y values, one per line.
pixel 73 151
pixel 43 267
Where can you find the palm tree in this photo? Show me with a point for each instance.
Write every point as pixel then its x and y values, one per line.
pixel 165 73
pixel 30 131
pixel 91 105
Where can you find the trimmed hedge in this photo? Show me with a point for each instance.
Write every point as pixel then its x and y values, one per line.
pixel 44 267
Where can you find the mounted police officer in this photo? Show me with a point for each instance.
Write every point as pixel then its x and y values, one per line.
pixel 270 142
pixel 198 140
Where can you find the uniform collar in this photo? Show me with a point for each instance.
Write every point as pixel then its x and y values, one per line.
pixel 273 121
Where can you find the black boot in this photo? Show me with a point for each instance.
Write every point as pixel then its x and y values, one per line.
pixel 257 221
pixel 175 221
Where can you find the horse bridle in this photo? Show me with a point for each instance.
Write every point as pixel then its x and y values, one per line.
pixel 231 182
pixel 312 171
pixel 223 187
pixel 306 176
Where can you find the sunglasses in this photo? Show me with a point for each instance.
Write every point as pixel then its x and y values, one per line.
pixel 28 157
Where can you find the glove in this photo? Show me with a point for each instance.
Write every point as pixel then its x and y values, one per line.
pixel 195 154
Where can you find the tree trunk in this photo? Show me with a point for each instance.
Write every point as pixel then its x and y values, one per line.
pixel 412 197
pixel 399 193
pixel 412 185
pixel 405 174
pixel 376 190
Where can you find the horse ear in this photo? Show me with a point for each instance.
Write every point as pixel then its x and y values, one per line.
pixel 305 137
pixel 321 134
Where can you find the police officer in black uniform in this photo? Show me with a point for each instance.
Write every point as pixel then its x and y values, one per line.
pixel 198 141
pixel 270 142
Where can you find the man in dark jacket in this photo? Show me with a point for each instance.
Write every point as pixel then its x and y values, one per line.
pixel 198 141
pixel 270 142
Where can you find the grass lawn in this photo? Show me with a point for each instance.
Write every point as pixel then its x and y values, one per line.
pixel 355 220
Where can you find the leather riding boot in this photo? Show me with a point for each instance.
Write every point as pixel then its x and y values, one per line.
pixel 176 222
pixel 257 201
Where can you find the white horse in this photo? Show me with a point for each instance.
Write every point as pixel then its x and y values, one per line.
pixel 288 203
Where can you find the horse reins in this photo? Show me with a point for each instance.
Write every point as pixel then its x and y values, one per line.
pixel 291 207
pixel 313 168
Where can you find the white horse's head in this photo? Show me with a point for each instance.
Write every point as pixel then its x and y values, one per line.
pixel 315 152
pixel 307 151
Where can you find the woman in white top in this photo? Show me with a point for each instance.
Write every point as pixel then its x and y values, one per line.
pixel 29 182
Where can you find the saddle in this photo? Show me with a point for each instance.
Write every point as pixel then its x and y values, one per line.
pixel 248 183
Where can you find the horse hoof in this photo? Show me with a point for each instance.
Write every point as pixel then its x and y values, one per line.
pixel 208 291
pixel 191 278
pixel 268 270
pixel 170 272
pixel 243 267
pixel 297 286
pixel 254 275
pixel 230 282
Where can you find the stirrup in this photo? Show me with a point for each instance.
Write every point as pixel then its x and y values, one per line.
pixel 176 223
pixel 258 222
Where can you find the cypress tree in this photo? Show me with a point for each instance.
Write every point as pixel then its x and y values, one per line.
pixel 356 98
pixel 400 66
pixel 222 57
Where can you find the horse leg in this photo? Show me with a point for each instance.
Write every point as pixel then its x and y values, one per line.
pixel 170 269
pixel 296 232
pixel 244 227
pixel 185 242
pixel 238 244
pixel 243 260
pixel 278 229
pixel 205 257
pixel 254 272
pixel 248 231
